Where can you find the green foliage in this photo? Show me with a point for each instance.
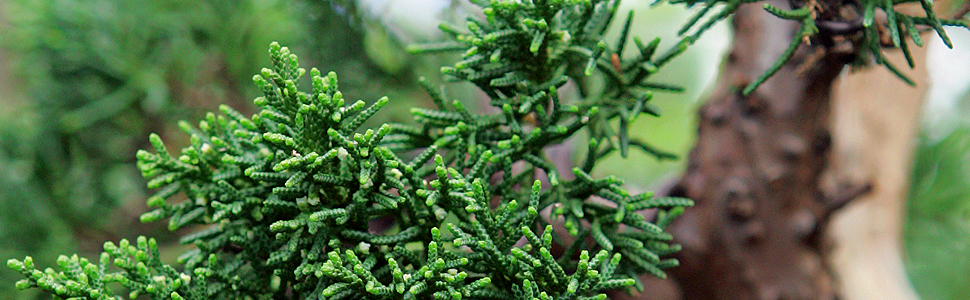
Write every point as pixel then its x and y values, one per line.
pixel 140 268
pixel 520 57
pixel 290 202
pixel 870 46
pixel 899 23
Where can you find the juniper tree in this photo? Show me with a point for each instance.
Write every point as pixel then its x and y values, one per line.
pixel 282 204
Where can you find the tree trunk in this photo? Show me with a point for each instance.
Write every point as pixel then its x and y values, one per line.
pixel 755 171
pixel 771 169
pixel 771 172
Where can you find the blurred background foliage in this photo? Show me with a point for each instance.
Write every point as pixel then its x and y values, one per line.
pixel 939 217
pixel 937 233
pixel 83 82
pixel 90 79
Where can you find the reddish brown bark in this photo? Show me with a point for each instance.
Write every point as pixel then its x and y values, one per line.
pixel 754 173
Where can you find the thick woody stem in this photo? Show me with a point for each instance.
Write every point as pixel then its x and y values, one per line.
pixel 755 170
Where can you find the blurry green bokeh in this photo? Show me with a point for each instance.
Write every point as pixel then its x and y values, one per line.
pixel 938 217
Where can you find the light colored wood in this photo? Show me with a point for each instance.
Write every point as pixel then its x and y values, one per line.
pixel 875 117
